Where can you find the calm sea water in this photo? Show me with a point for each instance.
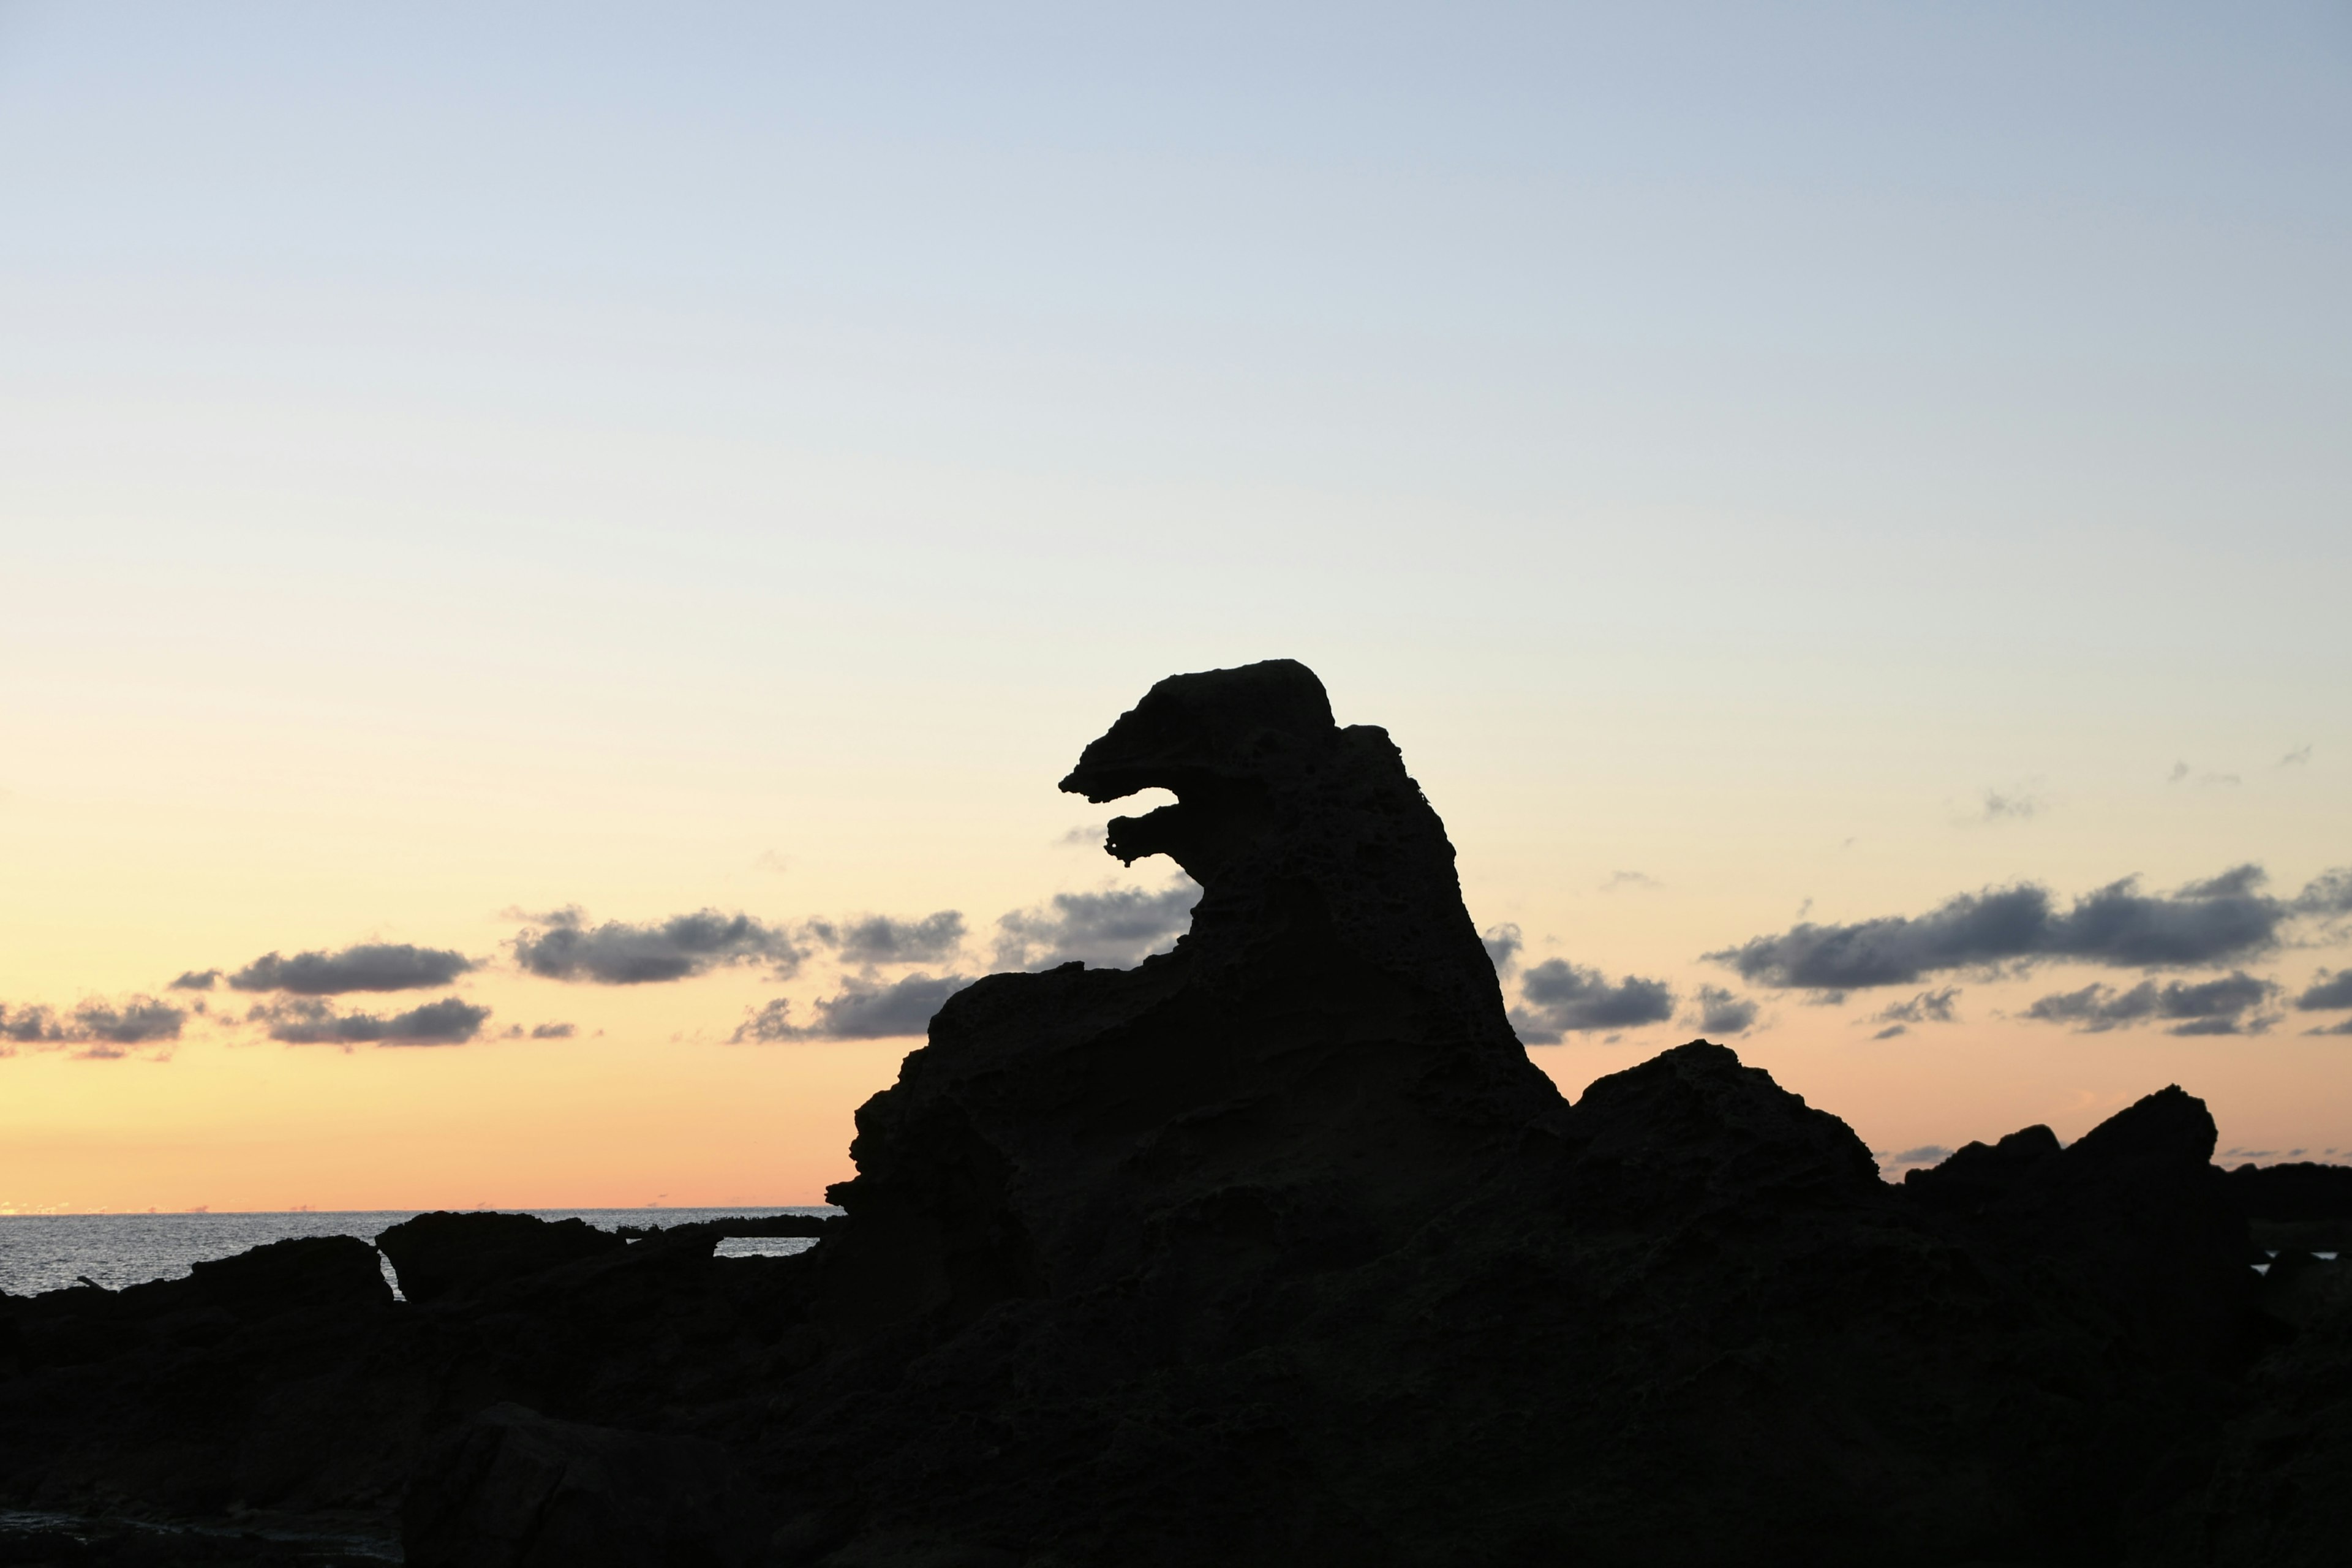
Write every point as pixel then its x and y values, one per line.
pixel 49 1252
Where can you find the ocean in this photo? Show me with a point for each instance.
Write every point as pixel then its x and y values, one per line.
pixel 49 1252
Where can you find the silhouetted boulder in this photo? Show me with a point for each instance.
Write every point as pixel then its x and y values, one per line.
pixel 2301 1191
pixel 442 1254
pixel 314 1273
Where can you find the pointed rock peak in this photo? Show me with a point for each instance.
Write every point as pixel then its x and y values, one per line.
pixel 2171 1124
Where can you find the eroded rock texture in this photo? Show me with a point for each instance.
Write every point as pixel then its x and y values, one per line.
pixel 1277 1250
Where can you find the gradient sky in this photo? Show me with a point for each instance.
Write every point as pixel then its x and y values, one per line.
pixel 1765 465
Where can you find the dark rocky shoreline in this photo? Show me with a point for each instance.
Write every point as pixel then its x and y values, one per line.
pixel 1275 1249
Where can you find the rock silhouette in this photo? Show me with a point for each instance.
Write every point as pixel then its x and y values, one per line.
pixel 1276 1249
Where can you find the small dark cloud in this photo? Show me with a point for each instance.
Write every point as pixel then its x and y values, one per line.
pixel 139 1021
pixel 2327 991
pixel 2296 758
pixel 2180 770
pixel 1085 835
pixel 1620 880
pixel 1115 928
pixel 305 1021
pixel 1502 944
pixel 2011 806
pixel 2222 1006
pixel 2212 921
pixel 1562 998
pixel 878 939
pixel 563 946
pixel 195 980
pixel 2327 894
pixel 1891 1030
pixel 2341 1026
pixel 553 1031
pixel 864 1010
pixel 1926 1154
pixel 370 966
pixel 28 1025
pixel 1927 1007
pixel 1722 1011
pixel 104 1026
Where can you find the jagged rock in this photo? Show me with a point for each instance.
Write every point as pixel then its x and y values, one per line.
pixel 443 1254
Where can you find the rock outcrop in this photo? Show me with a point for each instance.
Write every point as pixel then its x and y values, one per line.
pixel 1277 1249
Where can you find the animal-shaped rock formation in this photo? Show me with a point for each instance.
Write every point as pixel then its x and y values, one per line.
pixel 1276 1249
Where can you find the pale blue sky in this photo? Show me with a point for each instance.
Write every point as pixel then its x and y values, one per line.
pixel 454 457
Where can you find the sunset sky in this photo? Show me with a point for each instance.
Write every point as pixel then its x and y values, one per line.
pixel 529 535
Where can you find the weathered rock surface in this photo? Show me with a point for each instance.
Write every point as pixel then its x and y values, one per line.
pixel 1277 1249
pixel 511 1486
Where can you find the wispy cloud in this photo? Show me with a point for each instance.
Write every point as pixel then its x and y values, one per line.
pixel 2009 805
pixel 2297 758
pixel 1618 881
pixel 1503 944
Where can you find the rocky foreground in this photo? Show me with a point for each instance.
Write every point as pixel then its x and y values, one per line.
pixel 1277 1250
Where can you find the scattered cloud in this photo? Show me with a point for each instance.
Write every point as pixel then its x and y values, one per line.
pixel 307 1021
pixel 1722 1011
pixel 370 966
pixel 864 1010
pixel 195 980
pixel 771 861
pixel 1927 1007
pixel 2013 805
pixel 2216 921
pixel 2329 989
pixel 553 1031
pixel 2224 1007
pixel 1502 944
pixel 1619 880
pixel 102 1027
pixel 1562 998
pixel 1115 928
pixel 1891 1030
pixel 1926 1154
pixel 2327 894
pixel 878 939
pixel 563 946
pixel 2341 1026
pixel 1085 835
pixel 2296 758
